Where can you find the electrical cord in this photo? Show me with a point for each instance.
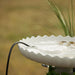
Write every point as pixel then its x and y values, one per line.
pixel 7 66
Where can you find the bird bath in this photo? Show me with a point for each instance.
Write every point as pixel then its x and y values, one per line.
pixel 57 51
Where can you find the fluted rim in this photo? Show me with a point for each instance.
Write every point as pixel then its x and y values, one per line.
pixel 40 53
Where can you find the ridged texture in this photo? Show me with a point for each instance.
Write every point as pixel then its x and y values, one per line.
pixel 52 50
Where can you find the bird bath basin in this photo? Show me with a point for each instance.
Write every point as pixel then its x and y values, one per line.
pixel 57 51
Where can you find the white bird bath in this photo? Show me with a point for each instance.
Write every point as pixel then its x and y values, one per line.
pixel 56 51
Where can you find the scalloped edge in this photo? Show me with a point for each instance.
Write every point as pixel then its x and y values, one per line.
pixel 52 57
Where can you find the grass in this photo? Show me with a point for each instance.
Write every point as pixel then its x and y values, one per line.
pixel 19 19
pixel 68 29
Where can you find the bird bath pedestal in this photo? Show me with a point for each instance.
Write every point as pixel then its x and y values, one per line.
pixel 68 71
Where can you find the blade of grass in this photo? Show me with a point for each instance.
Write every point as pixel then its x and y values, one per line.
pixel 70 17
pixel 60 17
pixel 72 30
pixel 69 20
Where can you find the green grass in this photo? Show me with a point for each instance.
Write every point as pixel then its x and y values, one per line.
pixel 68 29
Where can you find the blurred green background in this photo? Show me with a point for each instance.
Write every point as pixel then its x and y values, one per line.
pixel 25 18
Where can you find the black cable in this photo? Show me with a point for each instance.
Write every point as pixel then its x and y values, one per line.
pixel 73 69
pixel 7 66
